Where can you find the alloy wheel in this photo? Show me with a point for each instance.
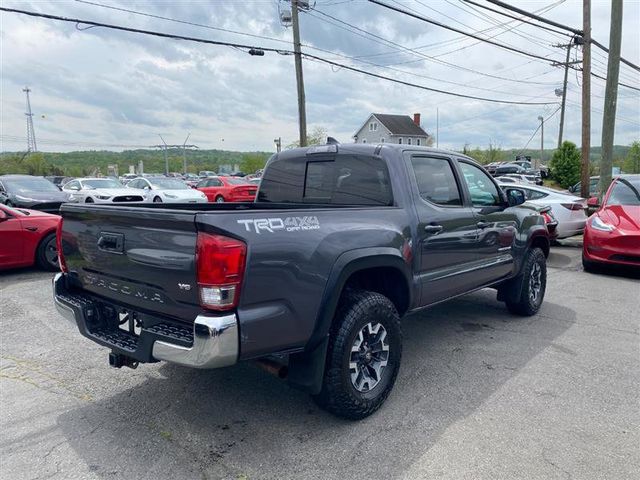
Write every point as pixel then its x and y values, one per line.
pixel 369 357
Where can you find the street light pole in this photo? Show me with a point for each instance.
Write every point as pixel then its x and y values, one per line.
pixel 278 142
pixel 166 160
pixel 184 154
pixel 541 139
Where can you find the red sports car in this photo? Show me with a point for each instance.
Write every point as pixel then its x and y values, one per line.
pixel 28 237
pixel 227 189
pixel 612 233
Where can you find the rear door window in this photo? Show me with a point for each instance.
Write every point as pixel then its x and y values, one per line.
pixel 436 181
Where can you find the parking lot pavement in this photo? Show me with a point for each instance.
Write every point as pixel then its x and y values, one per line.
pixel 481 395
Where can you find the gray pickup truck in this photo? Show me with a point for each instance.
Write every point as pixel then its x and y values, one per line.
pixel 309 281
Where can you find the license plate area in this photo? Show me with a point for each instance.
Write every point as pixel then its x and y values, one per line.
pixel 129 321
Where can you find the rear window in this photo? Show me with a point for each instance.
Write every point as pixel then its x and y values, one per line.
pixel 337 180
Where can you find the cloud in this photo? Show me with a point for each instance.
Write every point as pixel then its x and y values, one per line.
pixel 105 86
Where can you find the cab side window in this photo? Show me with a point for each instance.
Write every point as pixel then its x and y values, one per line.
pixel 214 182
pixel 484 193
pixel 436 181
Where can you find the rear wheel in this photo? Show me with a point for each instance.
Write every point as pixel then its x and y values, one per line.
pixel 219 199
pixel 89 200
pixel 9 204
pixel 363 358
pixel 47 253
pixel 531 284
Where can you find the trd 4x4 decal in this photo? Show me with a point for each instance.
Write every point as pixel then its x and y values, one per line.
pixel 289 224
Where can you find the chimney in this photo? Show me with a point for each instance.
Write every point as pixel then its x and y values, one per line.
pixel 416 119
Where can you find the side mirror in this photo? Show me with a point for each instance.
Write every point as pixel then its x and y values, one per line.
pixel 515 197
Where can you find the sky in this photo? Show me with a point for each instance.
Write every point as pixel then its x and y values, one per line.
pixel 103 89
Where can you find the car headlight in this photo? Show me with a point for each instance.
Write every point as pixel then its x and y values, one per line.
pixel 168 195
pixel 598 224
pixel 103 197
pixel 25 199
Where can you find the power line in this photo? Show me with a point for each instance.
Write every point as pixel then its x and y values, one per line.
pixel 536 131
pixel 250 47
pixel 453 29
pixel 559 25
pixel 416 53
pixel 507 6
pixel 623 60
pixel 517 18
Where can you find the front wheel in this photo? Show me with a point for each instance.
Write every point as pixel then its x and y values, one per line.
pixel 531 283
pixel 47 253
pixel 219 199
pixel 363 358
pixel 157 200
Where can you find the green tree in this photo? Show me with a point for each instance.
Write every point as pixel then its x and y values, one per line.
pixel 632 161
pixel 251 162
pixel 318 136
pixel 565 164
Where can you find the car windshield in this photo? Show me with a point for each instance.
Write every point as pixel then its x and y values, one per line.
pixel 102 183
pixel 168 184
pixel 25 185
pixel 237 181
pixel 625 192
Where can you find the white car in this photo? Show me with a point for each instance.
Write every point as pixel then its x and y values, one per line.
pixel 169 190
pixel 100 190
pixel 569 210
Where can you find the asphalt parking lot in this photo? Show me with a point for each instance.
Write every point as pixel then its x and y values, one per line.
pixel 480 395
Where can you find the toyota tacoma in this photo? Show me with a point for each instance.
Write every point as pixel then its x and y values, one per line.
pixel 311 280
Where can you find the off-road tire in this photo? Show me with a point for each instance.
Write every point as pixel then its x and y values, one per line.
pixel 356 310
pixel 524 304
pixel 41 254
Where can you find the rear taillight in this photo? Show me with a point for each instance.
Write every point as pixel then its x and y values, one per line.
pixel 573 206
pixel 220 265
pixel 61 260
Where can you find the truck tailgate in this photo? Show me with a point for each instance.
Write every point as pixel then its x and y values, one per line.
pixel 145 259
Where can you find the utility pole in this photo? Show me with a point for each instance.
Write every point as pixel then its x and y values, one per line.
pixel 166 160
pixel 31 133
pixel 184 154
pixel 541 141
pixel 302 113
pixel 564 91
pixel 278 143
pixel 611 95
pixel 586 97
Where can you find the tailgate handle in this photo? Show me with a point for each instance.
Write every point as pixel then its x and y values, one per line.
pixel 111 242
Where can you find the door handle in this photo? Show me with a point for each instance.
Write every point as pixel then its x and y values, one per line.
pixel 483 225
pixel 433 229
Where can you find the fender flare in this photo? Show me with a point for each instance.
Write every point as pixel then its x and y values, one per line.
pixel 306 369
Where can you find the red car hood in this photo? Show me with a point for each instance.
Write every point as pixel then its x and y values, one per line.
pixel 623 217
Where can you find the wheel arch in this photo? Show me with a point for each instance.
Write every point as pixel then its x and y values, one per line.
pixel 45 234
pixel 367 268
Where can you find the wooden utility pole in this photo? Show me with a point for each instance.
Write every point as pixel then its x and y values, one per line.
pixel 564 94
pixel 611 95
pixel 586 97
pixel 302 113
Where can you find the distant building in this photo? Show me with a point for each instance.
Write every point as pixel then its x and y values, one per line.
pixel 385 128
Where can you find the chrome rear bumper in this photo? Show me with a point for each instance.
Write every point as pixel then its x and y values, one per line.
pixel 215 338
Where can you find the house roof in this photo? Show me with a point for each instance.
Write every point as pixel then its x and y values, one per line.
pixel 400 125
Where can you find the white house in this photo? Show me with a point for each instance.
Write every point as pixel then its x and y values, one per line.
pixel 385 128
